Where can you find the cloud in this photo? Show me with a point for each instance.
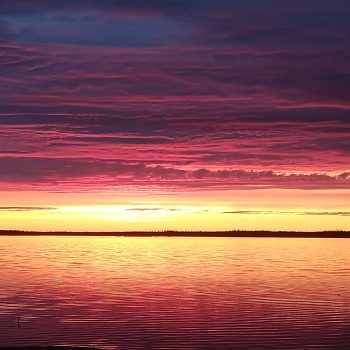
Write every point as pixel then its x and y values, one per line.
pixel 281 212
pixel 154 209
pixel 90 174
pixel 144 209
pixel 200 22
pixel 26 208
pixel 339 213
pixel 174 94
pixel 22 7
pixel 5 31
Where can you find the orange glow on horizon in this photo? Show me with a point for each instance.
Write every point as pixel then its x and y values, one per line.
pixel 286 210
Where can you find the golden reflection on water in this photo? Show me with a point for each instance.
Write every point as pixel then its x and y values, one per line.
pixel 180 291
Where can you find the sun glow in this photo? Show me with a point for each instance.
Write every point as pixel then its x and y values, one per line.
pixel 211 211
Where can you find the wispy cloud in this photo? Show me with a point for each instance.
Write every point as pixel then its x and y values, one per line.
pixel 175 95
pixel 26 208
pixel 144 209
pixel 282 212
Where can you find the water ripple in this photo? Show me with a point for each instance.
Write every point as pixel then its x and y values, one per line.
pixel 175 293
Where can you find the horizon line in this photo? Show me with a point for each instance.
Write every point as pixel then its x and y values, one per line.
pixel 174 233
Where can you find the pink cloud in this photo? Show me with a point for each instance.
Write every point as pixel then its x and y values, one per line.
pixel 173 117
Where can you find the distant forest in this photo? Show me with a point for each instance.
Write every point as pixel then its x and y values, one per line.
pixel 172 233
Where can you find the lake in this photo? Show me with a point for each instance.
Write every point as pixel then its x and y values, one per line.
pixel 175 293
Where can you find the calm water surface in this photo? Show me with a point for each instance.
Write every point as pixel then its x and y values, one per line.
pixel 175 293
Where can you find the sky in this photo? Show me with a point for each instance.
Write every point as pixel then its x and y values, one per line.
pixel 124 115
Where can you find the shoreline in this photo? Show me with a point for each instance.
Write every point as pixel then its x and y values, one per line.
pixel 238 234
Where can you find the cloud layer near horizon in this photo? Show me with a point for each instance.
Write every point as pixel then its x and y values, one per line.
pixel 174 95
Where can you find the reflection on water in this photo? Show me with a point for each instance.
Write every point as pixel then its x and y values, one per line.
pixel 175 293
